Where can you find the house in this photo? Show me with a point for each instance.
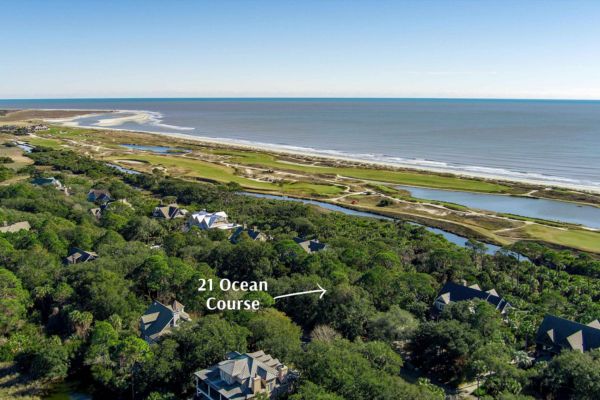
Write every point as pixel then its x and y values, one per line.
pixel 171 211
pixel 16 227
pixel 555 334
pixel 205 220
pixel 97 212
pixel 48 182
pixel 39 127
pixel 243 376
pixel 99 196
pixel 77 256
pixel 253 233
pixel 159 319
pixel 310 246
pixel 452 292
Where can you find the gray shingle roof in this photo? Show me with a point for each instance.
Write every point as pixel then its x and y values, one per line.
pixel 452 292
pixel 99 195
pixel 159 318
pixel 232 378
pixel 310 246
pixel 169 212
pixel 557 333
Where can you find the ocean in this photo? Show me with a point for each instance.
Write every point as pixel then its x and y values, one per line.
pixel 542 140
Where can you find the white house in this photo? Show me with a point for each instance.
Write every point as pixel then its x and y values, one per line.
pixel 205 220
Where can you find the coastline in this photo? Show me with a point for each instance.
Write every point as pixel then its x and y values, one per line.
pixel 342 181
pixel 319 155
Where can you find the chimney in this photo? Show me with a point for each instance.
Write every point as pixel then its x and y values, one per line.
pixel 245 226
pixel 463 282
pixel 256 386
pixel 254 228
pixel 282 373
pixel 4 223
pixel 175 312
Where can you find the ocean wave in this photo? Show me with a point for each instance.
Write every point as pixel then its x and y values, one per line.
pixel 149 119
pixel 474 170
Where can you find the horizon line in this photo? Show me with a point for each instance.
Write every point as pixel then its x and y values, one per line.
pixel 299 98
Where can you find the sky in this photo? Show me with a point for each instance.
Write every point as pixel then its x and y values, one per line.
pixel 281 48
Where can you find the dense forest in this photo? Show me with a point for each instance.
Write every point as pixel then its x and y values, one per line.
pixel 372 336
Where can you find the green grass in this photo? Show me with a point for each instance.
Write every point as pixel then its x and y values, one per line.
pixel 574 238
pixel 376 175
pixel 43 142
pixel 221 173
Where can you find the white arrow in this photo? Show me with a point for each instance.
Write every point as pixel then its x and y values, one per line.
pixel 319 290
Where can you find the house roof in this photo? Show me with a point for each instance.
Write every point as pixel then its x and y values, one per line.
pixel 253 233
pixel 310 246
pixel 169 212
pixel 249 365
pixel 17 226
pixel 157 318
pixel 451 292
pixel 206 220
pixel 560 333
pixel 99 194
pixel 241 367
pixel 77 255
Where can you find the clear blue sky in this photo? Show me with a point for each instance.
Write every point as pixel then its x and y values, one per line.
pixel 453 48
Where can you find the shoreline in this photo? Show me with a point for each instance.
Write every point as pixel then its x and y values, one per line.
pixel 324 155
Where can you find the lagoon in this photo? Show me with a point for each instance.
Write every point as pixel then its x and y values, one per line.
pixel 551 210
pixel 451 237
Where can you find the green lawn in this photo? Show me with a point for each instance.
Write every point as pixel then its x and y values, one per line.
pixel 36 141
pixel 579 239
pixel 221 173
pixel 388 176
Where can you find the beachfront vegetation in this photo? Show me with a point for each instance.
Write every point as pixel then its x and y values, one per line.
pixel 373 325
pixel 370 174
pixel 192 168
pixel 355 185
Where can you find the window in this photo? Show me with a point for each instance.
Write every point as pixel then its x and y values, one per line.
pixel 203 386
pixel 214 395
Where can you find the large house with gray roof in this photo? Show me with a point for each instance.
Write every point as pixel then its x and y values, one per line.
pixel 159 319
pixel 171 211
pixel 205 220
pixel 556 334
pixel 242 377
pixel 310 246
pixel 452 292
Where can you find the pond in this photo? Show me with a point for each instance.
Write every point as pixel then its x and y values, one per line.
pixel 25 147
pixel 451 237
pixel 123 169
pixel 552 210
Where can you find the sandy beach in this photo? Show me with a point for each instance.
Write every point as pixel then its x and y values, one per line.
pixel 141 117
